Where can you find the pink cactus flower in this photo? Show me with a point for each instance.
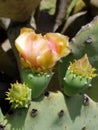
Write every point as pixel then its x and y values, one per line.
pixel 41 53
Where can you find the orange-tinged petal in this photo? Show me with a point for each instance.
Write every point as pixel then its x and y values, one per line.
pixel 47 60
pixel 23 43
pixel 41 52
pixel 58 43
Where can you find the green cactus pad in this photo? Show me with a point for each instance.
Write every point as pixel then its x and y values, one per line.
pixel 56 112
pixel 36 82
pixel 85 42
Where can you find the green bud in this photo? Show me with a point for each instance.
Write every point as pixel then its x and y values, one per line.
pixel 78 76
pixel 19 95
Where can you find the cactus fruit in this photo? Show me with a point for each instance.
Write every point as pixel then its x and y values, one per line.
pixel 36 82
pixel 62 113
pixel 19 95
pixel 78 76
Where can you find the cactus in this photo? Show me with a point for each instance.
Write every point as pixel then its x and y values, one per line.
pixel 36 82
pixel 74 63
pixel 78 77
pixel 84 42
pixel 19 95
pixel 62 113
pixel 39 55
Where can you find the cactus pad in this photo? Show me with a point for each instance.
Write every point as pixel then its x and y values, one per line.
pixel 56 112
pixel 85 42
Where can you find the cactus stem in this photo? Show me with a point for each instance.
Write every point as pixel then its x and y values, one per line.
pixel 61 113
pixel 34 112
pixel 46 94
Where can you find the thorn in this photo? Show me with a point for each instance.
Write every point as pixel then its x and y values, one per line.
pixel 47 94
pixel 85 100
pixel 89 39
pixel 34 112
pixel 61 113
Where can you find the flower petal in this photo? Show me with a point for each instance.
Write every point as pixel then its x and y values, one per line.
pixel 58 43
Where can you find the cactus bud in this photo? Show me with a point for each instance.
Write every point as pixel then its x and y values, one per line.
pixel 78 76
pixel 19 95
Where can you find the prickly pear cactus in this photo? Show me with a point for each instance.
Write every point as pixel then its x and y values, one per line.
pixel 78 77
pixel 85 42
pixel 19 95
pixel 62 113
pixel 32 107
